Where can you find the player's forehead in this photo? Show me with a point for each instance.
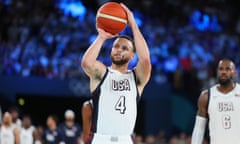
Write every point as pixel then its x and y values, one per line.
pixel 7 115
pixel 226 64
pixel 123 41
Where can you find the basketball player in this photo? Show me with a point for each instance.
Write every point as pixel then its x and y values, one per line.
pixel 28 131
pixel 8 133
pixel 86 120
pixel 220 106
pixel 115 89
pixel 16 121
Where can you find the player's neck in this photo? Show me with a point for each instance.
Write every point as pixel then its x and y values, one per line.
pixel 6 125
pixel 120 68
pixel 226 88
pixel 52 127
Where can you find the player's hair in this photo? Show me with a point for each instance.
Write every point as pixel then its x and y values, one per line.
pixel 228 59
pixel 28 116
pixel 130 39
pixel 13 109
pixel 54 117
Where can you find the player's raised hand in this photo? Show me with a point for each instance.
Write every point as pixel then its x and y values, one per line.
pixel 105 35
pixel 131 20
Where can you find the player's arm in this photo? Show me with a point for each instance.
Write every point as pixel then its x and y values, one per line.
pixel 16 133
pixel 201 119
pixel 36 137
pixel 87 120
pixel 91 66
pixel 143 68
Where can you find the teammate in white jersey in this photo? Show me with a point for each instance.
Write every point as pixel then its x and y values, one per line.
pixel 27 131
pixel 8 133
pixel 220 107
pixel 115 89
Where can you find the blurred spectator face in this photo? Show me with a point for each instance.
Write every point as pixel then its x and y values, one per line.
pixel 138 139
pixel 173 140
pixel 7 119
pixel 69 121
pixel 51 122
pixel 69 117
pixel 26 122
pixel 14 114
pixel 150 139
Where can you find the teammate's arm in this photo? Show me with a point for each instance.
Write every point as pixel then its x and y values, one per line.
pixel 143 68
pixel 201 119
pixel 87 120
pixel 16 133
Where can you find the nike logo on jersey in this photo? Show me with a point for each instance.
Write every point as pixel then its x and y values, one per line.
pixel 121 85
pixel 237 95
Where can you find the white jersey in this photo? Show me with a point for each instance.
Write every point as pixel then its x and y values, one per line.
pixel 26 135
pixel 17 124
pixel 224 116
pixel 115 104
pixel 7 135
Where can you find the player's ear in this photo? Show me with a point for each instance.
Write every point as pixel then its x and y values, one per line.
pixel 235 73
pixel 132 55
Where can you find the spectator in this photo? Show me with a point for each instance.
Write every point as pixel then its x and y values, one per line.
pixel 70 130
pixel 52 134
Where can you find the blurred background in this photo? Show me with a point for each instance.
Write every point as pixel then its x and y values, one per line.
pixel 42 43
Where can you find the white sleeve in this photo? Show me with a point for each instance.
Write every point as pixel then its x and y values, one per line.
pixel 0 115
pixel 199 130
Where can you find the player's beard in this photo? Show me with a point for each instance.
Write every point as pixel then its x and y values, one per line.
pixel 119 62
pixel 224 82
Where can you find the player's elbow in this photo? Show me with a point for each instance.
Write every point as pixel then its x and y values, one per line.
pixel 85 64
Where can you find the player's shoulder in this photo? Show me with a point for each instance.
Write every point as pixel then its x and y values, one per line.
pixel 204 96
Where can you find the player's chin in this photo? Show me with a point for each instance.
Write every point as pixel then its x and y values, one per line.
pixel 224 81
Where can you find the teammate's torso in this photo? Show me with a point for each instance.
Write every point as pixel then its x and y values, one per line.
pixel 26 135
pixel 224 116
pixel 115 103
pixel 7 135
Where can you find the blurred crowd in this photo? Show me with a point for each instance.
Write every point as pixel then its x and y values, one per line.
pixel 16 125
pixel 38 39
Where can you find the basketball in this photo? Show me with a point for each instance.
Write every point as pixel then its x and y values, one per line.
pixel 111 17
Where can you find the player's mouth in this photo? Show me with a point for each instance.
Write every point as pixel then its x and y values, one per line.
pixel 118 56
pixel 223 77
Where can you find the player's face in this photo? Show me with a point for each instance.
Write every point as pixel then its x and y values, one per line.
pixel 14 115
pixel 7 118
pixel 50 121
pixel 225 72
pixel 27 122
pixel 122 51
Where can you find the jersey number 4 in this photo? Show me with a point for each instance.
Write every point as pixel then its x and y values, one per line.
pixel 120 105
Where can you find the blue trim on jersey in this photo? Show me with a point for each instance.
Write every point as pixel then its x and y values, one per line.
pixel 135 78
pixel 95 98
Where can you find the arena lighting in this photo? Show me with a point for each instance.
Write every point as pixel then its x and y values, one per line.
pixel 203 21
pixel 74 8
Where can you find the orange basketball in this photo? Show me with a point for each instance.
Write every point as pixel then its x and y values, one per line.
pixel 111 17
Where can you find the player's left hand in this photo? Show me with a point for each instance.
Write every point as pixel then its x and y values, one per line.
pixel 131 20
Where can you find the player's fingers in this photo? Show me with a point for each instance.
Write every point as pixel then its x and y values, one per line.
pixel 126 8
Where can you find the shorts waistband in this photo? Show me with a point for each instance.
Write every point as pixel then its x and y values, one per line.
pixel 113 138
